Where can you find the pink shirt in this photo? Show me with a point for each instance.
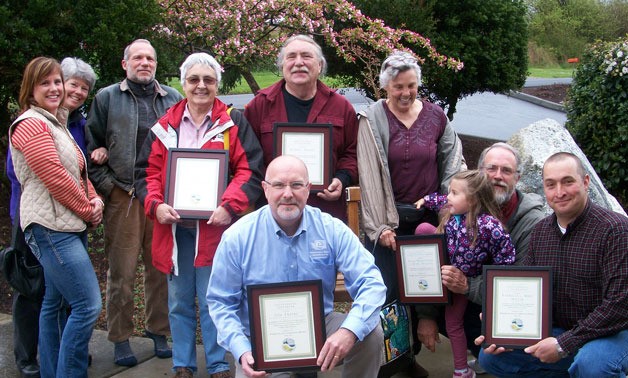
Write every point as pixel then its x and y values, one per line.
pixel 190 134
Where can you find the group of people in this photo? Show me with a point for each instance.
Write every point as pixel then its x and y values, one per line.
pixel 408 161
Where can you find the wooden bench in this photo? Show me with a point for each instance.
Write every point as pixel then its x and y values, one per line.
pixel 353 221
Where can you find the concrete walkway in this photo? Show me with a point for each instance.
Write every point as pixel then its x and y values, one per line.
pixel 439 364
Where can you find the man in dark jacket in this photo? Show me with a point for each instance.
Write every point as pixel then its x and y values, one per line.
pixel 120 118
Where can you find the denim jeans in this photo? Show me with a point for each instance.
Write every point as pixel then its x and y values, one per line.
pixel 183 290
pixel 70 280
pixel 603 357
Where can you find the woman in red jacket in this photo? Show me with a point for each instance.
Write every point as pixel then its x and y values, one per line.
pixel 184 248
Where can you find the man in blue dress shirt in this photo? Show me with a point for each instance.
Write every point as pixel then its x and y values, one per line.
pixel 287 241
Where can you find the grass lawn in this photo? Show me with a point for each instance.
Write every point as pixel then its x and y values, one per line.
pixel 263 78
pixel 266 78
pixel 551 72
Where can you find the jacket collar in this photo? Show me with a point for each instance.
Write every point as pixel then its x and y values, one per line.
pixel 174 115
pixel 124 86
pixel 274 90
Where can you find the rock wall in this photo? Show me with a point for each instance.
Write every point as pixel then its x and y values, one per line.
pixel 544 138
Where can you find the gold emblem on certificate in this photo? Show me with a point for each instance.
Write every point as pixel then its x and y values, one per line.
pixel 517 305
pixel 287 324
pixel 419 259
pixel 195 181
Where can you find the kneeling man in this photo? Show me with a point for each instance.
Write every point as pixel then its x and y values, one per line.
pixel 587 248
pixel 287 241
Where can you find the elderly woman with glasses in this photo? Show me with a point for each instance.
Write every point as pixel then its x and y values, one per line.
pixel 184 248
pixel 406 150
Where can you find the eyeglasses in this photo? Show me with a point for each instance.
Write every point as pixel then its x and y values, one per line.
pixel 506 171
pixel 195 80
pixel 278 185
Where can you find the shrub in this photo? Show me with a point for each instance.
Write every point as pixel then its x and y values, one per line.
pixel 597 112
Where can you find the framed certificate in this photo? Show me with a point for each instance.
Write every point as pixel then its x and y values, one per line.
pixel 195 181
pixel 287 323
pixel 419 259
pixel 517 305
pixel 310 142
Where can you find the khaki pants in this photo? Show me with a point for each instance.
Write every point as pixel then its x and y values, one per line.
pixel 126 237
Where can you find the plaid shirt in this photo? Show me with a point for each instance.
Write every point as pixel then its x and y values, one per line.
pixel 590 267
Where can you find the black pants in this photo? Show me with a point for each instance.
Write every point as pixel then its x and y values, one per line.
pixel 385 261
pixel 25 329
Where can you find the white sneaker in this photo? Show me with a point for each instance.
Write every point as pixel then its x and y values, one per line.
pixel 473 364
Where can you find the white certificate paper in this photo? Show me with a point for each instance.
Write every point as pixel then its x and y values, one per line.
pixel 309 147
pixel 517 307
pixel 287 326
pixel 421 270
pixel 196 184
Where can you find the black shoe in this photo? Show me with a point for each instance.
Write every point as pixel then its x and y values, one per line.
pixel 162 350
pixel 417 371
pixel 30 371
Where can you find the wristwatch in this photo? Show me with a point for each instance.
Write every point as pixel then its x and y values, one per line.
pixel 561 352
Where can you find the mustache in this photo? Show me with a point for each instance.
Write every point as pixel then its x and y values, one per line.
pixel 500 183
pixel 300 69
pixel 287 202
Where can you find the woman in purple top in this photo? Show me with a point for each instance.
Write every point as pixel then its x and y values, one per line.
pixel 475 237
pixel 406 150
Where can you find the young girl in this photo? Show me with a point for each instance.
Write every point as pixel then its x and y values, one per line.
pixel 475 237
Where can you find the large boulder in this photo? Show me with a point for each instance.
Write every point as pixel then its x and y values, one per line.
pixel 544 138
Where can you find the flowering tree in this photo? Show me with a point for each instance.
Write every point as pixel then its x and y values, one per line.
pixel 246 32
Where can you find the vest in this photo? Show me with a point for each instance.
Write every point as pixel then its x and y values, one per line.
pixel 36 203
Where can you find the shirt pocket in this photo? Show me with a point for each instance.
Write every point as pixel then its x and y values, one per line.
pixel 319 253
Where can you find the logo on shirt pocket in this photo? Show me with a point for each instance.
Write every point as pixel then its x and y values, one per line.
pixel 319 253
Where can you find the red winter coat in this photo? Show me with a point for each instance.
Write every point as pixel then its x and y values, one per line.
pixel 245 164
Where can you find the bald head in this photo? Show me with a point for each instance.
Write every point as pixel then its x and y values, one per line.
pixel 287 163
pixel 287 188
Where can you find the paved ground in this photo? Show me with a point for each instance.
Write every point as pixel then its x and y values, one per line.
pixel 439 364
pixel 485 115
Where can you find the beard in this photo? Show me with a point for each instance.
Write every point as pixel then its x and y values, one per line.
pixel 503 196
pixel 287 214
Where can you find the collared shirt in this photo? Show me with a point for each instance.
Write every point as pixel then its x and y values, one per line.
pixel 190 134
pixel 255 250
pixel 590 267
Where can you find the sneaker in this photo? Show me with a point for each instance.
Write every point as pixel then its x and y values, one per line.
pixel 475 365
pixel 469 373
pixel 222 374
pixel 183 372
pixel 29 370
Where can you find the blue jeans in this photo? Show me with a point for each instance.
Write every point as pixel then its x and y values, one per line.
pixel 183 290
pixel 70 280
pixel 603 357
